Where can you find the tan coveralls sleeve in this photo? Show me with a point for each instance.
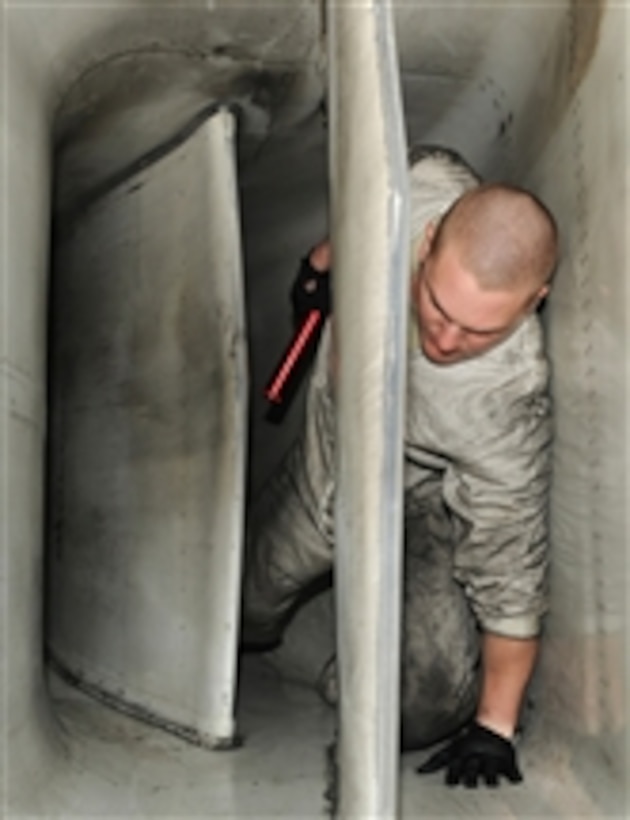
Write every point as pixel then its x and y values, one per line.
pixel 498 493
pixel 485 427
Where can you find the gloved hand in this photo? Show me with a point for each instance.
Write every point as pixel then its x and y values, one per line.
pixel 310 291
pixel 476 754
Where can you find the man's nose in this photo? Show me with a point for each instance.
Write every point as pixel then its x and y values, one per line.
pixel 449 337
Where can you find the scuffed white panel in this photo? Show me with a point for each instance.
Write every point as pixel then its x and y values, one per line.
pixel 149 441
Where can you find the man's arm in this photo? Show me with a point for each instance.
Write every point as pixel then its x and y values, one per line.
pixel 507 666
pixel 484 751
pixel 497 490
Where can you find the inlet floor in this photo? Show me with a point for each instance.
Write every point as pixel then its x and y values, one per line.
pixel 119 767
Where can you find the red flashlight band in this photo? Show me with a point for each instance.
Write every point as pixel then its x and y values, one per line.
pixel 292 356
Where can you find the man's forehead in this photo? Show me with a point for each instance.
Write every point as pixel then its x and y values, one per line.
pixel 485 329
pixel 456 294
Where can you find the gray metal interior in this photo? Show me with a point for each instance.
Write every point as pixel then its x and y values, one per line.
pixel 108 103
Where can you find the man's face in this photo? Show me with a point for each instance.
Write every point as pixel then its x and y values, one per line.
pixel 458 320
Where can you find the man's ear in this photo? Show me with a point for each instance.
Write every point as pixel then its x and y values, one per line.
pixel 538 298
pixel 426 242
pixel 542 294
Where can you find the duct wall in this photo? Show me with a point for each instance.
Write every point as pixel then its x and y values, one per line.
pixel 535 94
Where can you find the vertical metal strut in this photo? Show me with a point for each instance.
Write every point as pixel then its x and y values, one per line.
pixel 371 260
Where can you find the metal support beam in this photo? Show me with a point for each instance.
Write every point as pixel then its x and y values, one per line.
pixel 371 260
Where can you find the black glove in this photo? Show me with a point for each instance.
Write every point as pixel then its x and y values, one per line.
pixel 475 754
pixel 310 291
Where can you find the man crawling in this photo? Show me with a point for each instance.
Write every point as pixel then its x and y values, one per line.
pixel 477 470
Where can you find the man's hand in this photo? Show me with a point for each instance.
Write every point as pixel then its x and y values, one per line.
pixel 320 256
pixel 477 754
pixel 311 288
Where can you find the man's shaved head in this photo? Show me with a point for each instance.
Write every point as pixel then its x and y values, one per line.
pixel 503 235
